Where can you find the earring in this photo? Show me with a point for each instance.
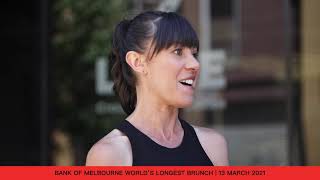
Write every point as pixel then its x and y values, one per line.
pixel 144 72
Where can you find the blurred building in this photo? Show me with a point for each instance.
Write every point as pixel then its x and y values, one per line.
pixel 270 68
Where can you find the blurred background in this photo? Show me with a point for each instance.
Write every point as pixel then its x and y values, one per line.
pixel 259 82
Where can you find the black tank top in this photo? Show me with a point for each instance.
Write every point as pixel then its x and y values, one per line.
pixel 146 152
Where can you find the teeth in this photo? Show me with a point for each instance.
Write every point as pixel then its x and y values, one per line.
pixel 187 81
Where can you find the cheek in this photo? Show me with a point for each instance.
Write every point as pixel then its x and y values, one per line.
pixel 164 73
pixel 169 76
pixel 164 81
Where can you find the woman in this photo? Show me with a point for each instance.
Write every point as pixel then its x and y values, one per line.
pixel 155 70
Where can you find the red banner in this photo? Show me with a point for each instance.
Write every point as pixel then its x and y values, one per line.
pixel 164 172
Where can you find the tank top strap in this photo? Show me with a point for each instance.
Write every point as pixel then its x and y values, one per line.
pixel 190 132
pixel 131 132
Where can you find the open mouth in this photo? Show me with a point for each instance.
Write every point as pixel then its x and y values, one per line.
pixel 187 82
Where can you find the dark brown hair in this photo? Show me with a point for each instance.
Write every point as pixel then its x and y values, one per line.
pixel 162 29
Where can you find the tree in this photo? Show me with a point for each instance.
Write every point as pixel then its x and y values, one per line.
pixel 82 33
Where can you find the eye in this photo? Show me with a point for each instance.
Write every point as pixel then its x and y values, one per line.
pixel 178 51
pixel 195 52
pixel 195 55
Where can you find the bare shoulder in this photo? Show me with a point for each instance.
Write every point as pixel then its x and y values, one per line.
pixel 114 149
pixel 214 144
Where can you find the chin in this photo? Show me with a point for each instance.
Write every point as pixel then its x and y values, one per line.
pixel 184 103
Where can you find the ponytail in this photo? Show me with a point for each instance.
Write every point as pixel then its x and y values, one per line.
pixel 123 78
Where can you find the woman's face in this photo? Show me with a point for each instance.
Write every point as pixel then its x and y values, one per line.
pixel 172 76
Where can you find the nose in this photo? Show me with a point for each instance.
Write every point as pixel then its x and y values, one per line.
pixel 192 63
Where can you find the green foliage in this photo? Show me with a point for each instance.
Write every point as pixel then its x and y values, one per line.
pixel 82 33
pixel 84 27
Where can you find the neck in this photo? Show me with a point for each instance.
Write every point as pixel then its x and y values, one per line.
pixel 155 119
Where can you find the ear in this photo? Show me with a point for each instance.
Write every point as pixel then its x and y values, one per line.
pixel 135 61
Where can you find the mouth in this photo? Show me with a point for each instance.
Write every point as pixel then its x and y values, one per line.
pixel 188 82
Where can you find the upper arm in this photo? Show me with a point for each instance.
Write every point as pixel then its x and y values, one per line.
pixel 114 153
pixel 215 145
pixel 220 153
pixel 101 155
